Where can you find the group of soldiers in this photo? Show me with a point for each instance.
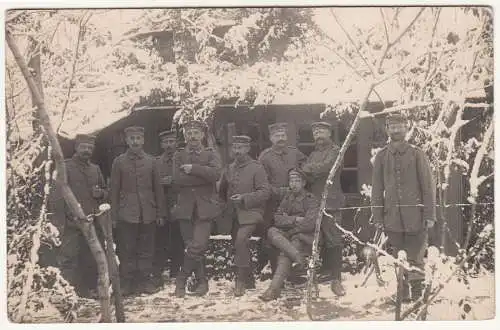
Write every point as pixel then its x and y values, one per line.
pixel 275 197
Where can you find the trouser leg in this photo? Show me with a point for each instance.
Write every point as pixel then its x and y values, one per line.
pixel 67 258
pixel 162 240
pixel 282 271
pixel 280 241
pixel 146 249
pixel 176 248
pixel 395 240
pixel 196 249
pixel 333 240
pixel 128 238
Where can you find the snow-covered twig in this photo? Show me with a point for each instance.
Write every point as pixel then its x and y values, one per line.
pixel 397 108
pixel 33 259
pixel 482 237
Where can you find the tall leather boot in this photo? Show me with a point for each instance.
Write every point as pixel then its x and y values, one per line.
pixel 416 289
pixel 335 255
pixel 282 270
pixel 201 274
pixel 241 279
pixel 250 280
pixel 186 270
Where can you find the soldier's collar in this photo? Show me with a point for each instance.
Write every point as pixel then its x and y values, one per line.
pixel 247 160
pixel 278 150
pixel 300 195
pixel 80 161
pixel 135 155
pixel 398 148
pixel 192 150
pixel 325 146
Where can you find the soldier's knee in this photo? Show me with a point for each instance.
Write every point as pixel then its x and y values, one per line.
pixel 273 232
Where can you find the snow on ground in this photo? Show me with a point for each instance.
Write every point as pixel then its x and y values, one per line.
pixel 361 303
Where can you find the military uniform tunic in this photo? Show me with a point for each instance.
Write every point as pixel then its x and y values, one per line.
pixel 82 177
pixel 197 201
pixel 277 163
pixel 402 176
pixel 317 167
pixel 137 201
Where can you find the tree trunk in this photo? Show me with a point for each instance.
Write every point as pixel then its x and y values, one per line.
pixel 329 182
pixel 86 227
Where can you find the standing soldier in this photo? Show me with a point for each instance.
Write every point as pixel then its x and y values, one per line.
pixel 317 168
pixel 137 206
pixel 293 230
pixel 86 181
pixel 196 171
pixel 402 176
pixel 277 161
pixel 168 239
pixel 245 186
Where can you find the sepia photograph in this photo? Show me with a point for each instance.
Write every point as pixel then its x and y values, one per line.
pixel 249 164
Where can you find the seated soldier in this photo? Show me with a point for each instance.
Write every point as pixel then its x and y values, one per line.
pixel 293 230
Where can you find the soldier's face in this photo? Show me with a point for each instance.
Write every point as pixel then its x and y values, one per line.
pixel 321 134
pixel 84 150
pixel 296 183
pixel 135 141
pixel 279 138
pixel 168 144
pixel 239 150
pixel 397 130
pixel 193 136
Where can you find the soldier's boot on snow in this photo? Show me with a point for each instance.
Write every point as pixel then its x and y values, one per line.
pixel 148 285
pixel 335 255
pixel 241 278
pixel 250 280
pixel 182 275
pixel 202 284
pixel 416 289
pixel 282 270
pixel 405 295
pixel 126 287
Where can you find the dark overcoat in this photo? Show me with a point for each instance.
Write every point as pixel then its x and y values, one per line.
pixel 317 167
pixel 402 176
pixel 81 178
pixel 250 180
pixel 197 189
pixel 303 204
pixel 136 193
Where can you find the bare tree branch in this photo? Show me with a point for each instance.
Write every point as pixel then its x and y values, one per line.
pixel 385 25
pixel 81 32
pixel 75 208
pixel 395 41
pixel 353 43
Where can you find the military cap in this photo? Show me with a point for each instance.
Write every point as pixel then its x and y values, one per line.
pixel 85 138
pixel 276 127
pixel 134 130
pixel 396 117
pixel 241 139
pixel 167 134
pixel 321 124
pixel 297 172
pixel 194 124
